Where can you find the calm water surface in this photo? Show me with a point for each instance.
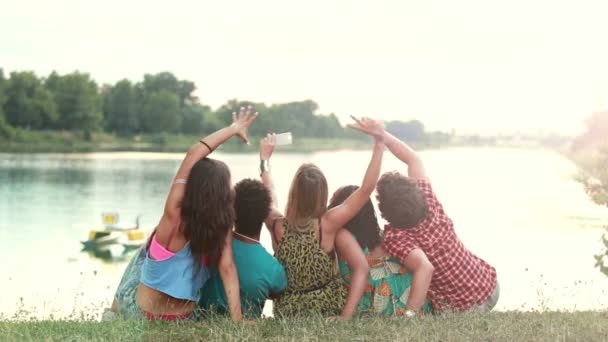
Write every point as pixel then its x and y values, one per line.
pixel 520 210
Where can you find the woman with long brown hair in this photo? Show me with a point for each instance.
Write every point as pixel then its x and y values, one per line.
pixel 306 239
pixel 193 234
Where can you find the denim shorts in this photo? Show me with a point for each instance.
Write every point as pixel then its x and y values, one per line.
pixel 125 294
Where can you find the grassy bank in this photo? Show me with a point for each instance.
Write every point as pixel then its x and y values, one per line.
pixel 509 326
pixel 68 142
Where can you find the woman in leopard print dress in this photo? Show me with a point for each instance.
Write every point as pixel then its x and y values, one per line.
pixel 305 239
pixel 313 284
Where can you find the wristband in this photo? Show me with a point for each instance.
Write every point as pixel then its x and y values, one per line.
pixel 207 145
pixel 264 166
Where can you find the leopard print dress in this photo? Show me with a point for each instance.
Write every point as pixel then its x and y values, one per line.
pixel 313 281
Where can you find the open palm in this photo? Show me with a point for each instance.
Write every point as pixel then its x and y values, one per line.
pixel 242 121
pixel 368 126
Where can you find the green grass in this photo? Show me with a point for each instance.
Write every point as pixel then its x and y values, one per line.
pixel 497 326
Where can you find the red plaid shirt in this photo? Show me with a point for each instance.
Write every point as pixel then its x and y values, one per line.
pixel 461 280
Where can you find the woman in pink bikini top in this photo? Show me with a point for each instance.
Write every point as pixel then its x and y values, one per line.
pixel 194 232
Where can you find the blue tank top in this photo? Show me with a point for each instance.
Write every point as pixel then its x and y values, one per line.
pixel 175 276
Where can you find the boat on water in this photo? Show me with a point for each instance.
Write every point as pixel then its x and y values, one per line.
pixel 129 236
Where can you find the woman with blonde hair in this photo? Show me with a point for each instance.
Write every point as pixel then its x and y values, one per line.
pixel 306 239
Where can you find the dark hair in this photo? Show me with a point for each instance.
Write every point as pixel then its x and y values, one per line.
pixel 307 194
pixel 251 206
pixel 207 213
pixel 364 225
pixel 400 201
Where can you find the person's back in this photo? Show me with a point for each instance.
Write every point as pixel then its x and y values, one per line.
pixel 388 282
pixel 461 280
pixel 422 237
pixel 261 276
pixel 311 273
pixel 306 237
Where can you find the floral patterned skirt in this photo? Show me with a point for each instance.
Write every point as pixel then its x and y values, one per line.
pixel 388 287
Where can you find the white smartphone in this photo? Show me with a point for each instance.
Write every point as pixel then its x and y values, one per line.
pixel 284 139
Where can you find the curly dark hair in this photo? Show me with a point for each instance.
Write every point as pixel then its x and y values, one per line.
pixel 364 226
pixel 251 206
pixel 207 213
pixel 400 201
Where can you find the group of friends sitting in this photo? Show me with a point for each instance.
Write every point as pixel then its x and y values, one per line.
pixel 205 257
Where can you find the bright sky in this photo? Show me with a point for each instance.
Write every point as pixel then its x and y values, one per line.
pixel 471 65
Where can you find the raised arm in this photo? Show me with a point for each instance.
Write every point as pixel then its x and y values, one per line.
pixel 230 279
pixel 266 148
pixel 403 152
pixel 240 123
pixel 337 217
pixel 349 250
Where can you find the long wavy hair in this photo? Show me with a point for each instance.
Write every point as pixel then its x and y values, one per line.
pixel 307 195
pixel 364 226
pixel 207 210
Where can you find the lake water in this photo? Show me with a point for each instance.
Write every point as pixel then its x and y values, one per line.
pixel 520 210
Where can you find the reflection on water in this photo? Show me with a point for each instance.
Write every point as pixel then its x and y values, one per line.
pixel 110 254
pixel 519 210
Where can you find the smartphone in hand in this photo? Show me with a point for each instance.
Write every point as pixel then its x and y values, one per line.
pixel 284 139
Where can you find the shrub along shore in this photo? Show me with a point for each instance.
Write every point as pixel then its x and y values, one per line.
pixel 70 142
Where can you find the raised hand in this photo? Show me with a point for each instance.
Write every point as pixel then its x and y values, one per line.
pixel 267 146
pixel 242 121
pixel 372 127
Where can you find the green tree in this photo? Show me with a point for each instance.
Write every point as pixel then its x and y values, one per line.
pixel 195 117
pixel 166 81
pixel 297 117
pixel 326 126
pixel 6 131
pixel 120 108
pixel 161 113
pixel 3 82
pixel 224 113
pixel 412 131
pixel 263 124
pixel 78 101
pixel 27 103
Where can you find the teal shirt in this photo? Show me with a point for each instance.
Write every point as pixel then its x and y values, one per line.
pixel 260 275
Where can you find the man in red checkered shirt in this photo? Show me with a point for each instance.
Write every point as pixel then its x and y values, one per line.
pixel 422 237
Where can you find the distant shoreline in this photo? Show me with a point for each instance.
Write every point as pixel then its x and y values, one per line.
pixel 77 142
pixel 68 142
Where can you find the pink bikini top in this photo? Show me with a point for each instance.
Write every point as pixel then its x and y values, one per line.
pixel 159 252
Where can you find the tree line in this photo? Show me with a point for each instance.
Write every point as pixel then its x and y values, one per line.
pixel 160 103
